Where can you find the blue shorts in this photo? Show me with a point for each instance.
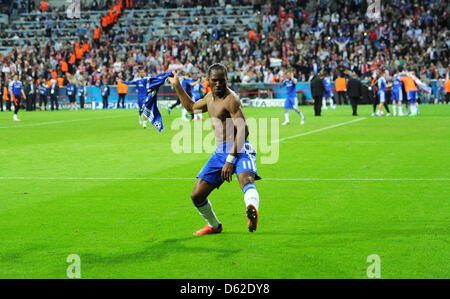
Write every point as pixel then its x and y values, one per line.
pixel 412 95
pixel 382 96
pixel 245 162
pixel 328 94
pixel 397 95
pixel 291 103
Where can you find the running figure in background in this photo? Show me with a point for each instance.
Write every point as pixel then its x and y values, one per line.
pixel 141 85
pixel 291 101
pixel 16 89
pixel 328 94
pixel 197 93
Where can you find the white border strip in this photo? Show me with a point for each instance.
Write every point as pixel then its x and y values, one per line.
pixel 193 178
pixel 319 130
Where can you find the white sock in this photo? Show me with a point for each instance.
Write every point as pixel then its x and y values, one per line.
pixel 394 109
pixel 413 108
pixel 184 113
pixel 251 196
pixel 330 101
pixel 417 107
pixel 324 103
pixel 301 114
pixel 400 109
pixel 286 116
pixel 207 212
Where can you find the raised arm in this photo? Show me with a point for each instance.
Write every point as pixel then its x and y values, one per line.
pixel 130 82
pixel 185 99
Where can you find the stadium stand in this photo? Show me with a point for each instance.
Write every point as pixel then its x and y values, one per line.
pixel 257 40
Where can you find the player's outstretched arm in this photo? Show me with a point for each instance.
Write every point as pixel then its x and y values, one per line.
pixel 185 99
pixel 130 82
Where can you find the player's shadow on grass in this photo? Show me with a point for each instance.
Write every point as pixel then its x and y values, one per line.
pixel 161 250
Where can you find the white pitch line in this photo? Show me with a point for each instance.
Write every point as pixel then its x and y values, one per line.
pixel 180 179
pixel 62 121
pixel 319 130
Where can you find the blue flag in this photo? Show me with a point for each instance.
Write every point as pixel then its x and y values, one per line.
pixel 150 107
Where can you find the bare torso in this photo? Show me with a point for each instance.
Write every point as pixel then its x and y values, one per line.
pixel 224 128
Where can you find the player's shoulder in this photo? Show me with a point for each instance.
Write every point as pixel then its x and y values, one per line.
pixel 232 97
pixel 232 101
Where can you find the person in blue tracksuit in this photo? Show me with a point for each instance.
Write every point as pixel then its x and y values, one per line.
pixel 141 85
pixel 72 94
pixel 16 89
pixel 105 94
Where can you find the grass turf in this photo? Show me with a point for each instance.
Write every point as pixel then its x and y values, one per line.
pixel 80 183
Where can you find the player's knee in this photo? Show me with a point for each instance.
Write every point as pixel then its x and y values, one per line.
pixel 246 179
pixel 197 197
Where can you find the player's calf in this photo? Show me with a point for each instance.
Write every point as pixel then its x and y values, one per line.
pixel 205 209
pixel 251 198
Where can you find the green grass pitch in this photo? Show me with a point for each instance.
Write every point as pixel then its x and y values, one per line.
pixel 94 183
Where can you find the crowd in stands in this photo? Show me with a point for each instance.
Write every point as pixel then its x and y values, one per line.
pixel 336 36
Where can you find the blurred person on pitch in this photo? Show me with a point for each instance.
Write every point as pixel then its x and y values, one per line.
pixel 354 92
pixel 43 93
pixel 186 83
pixel 81 92
pixel 2 92
pixel 53 93
pixel 16 90
pixel 30 90
pixel 122 90
pixel 71 93
pixel 382 100
pixel 105 93
pixel 341 86
pixel 317 92
pixel 328 94
pixel 291 102
pixel 198 92
pixel 447 90
pixel 6 95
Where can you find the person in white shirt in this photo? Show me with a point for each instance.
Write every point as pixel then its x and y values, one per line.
pixel 268 76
